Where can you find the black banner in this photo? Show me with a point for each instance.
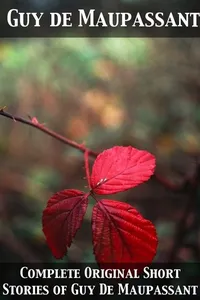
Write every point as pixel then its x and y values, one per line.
pixel 68 280
pixel 145 18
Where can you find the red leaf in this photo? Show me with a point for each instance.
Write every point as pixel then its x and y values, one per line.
pixel 62 218
pixel 121 234
pixel 121 168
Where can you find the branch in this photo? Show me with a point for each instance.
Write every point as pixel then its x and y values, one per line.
pixel 87 168
pixel 41 127
pixel 34 123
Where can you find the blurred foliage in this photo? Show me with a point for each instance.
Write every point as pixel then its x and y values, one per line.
pixel 101 92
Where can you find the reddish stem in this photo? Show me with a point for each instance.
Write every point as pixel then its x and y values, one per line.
pixel 87 168
pixel 50 132
pixel 73 144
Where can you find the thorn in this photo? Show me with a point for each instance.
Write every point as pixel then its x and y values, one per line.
pixel 35 121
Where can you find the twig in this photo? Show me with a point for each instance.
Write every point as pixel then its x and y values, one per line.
pixel 87 168
pixel 75 145
pixel 50 132
pixel 34 123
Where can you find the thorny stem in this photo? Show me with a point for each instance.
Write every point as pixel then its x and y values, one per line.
pixel 87 168
pixel 50 132
pixel 75 145
pixel 87 152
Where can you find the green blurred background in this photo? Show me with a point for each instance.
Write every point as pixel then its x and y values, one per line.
pixel 102 92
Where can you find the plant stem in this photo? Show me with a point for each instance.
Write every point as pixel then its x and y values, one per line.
pixel 87 168
pixel 75 145
pixel 50 132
